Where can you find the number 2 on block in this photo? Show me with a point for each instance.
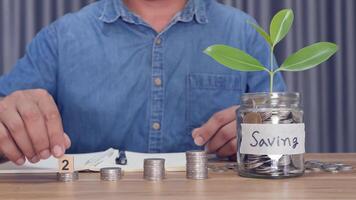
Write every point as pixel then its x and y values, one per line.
pixel 66 164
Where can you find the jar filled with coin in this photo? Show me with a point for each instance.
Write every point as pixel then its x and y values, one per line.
pixel 271 135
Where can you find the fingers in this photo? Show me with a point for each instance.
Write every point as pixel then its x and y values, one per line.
pixel 53 123
pixel 35 126
pixel 32 127
pixel 224 135
pixel 16 128
pixel 228 149
pixel 219 133
pixel 9 148
pixel 203 134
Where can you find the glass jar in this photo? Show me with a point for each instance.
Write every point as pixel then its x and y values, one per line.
pixel 271 135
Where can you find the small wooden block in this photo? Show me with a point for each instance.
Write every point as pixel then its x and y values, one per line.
pixel 66 164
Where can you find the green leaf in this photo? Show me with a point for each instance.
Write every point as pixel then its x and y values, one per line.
pixel 262 32
pixel 234 58
pixel 309 57
pixel 280 25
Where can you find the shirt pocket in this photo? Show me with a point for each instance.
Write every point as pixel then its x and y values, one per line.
pixel 208 94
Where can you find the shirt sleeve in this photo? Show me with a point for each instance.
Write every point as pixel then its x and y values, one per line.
pixel 259 49
pixel 37 69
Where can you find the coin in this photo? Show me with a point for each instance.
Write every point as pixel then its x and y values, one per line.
pixel 220 170
pixel 297 116
pixel 266 115
pixel 253 165
pixel 284 114
pixel 252 118
pixel 67 176
pixel 286 121
pixel 110 173
pixel 316 166
pixel 345 168
pixel 330 167
pixel 231 166
pixel 285 160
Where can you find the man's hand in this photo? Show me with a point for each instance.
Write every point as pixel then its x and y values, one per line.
pixel 31 127
pixel 219 133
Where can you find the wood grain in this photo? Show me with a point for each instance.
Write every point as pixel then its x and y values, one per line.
pixel 176 186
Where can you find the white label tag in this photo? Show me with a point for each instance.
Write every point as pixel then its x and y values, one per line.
pixel 272 139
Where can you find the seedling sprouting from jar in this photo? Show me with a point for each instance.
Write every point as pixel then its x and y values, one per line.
pixel 304 59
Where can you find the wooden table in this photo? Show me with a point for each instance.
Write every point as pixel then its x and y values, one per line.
pixel 219 186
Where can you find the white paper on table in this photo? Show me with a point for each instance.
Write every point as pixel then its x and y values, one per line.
pixel 96 161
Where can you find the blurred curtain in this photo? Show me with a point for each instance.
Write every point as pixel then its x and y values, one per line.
pixel 329 92
pixel 20 20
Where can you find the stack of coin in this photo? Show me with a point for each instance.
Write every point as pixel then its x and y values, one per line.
pixel 110 173
pixel 67 176
pixel 153 169
pixel 197 165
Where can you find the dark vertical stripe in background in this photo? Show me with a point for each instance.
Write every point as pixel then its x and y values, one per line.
pixel 329 92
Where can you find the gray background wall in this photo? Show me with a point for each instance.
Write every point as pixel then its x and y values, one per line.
pixel 329 92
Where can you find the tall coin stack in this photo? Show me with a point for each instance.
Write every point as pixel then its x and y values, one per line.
pixel 153 169
pixel 197 165
pixel 110 173
pixel 67 176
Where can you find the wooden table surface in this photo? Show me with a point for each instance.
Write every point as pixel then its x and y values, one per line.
pixel 219 186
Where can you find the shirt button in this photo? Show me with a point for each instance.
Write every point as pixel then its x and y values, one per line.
pixel 158 41
pixel 158 82
pixel 156 126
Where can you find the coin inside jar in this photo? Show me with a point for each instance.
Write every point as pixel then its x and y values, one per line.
pixel 252 118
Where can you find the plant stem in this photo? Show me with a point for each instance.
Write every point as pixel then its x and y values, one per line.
pixel 271 74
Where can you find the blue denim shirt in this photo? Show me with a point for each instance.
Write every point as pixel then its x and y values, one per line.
pixel 118 83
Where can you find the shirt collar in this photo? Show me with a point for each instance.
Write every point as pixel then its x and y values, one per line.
pixel 114 9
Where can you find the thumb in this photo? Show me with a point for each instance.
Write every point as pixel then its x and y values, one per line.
pixel 67 141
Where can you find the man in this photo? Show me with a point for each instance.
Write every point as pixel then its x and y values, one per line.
pixel 130 75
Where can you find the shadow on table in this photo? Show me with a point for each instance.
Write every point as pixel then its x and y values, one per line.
pixel 28 178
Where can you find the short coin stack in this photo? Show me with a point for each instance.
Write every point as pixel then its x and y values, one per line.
pixel 67 176
pixel 110 174
pixel 154 169
pixel 197 165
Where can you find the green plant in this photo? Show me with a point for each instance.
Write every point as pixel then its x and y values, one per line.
pixel 281 23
